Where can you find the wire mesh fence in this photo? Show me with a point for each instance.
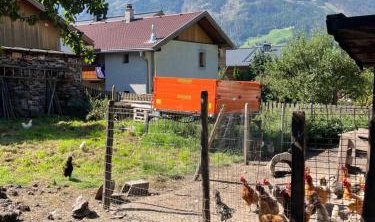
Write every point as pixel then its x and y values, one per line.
pixel 154 158
pixel 152 163
pixel 335 160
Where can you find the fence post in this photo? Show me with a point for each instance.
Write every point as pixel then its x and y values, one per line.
pixel 146 121
pixel 298 166
pixel 282 125
pixel 113 96
pixel 108 156
pixel 368 213
pixel 204 157
pixel 246 135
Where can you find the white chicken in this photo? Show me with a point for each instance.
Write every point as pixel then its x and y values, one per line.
pixel 83 147
pixel 27 125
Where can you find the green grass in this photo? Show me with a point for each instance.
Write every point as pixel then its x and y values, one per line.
pixel 170 149
pixel 275 36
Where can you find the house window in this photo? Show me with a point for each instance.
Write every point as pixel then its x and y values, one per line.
pixel 202 59
pixel 126 58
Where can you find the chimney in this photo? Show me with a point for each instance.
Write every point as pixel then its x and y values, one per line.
pixel 129 13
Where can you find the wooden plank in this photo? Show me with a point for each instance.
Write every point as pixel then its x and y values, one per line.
pixel 298 166
pixel 195 34
pixel 205 158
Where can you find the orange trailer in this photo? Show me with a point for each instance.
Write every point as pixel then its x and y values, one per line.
pixel 174 94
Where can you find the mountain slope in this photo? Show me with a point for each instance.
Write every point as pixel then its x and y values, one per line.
pixel 243 19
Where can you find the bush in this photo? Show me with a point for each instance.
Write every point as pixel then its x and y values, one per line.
pixel 78 107
pixel 321 130
pixel 98 108
pixel 327 130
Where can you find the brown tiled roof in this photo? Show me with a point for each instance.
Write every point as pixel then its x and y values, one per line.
pixel 122 36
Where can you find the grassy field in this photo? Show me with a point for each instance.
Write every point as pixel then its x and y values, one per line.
pixel 38 154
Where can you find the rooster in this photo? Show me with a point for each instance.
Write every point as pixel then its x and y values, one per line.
pixel 310 189
pixel 248 194
pixel 267 205
pixel 283 196
pixel 343 174
pixel 27 125
pixel 355 202
pixel 222 209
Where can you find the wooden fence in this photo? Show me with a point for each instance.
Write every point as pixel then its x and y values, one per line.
pixel 311 106
pixel 120 96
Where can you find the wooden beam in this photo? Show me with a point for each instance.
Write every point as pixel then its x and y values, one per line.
pixel 298 167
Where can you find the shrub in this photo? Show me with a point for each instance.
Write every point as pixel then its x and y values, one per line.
pixel 98 108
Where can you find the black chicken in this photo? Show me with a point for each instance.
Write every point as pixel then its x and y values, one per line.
pixel 68 168
pixel 222 209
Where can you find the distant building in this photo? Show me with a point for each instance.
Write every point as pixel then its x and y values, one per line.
pixel 132 49
pixel 241 58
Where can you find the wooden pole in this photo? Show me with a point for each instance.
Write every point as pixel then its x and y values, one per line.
pixel 113 93
pixel 246 141
pixel 146 121
pixel 298 167
pixel 205 158
pixel 368 213
pixel 282 125
pixel 108 156
pixel 198 170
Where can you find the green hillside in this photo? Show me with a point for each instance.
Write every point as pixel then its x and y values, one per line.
pixel 275 36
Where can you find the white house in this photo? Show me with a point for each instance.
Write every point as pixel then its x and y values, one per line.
pixel 133 49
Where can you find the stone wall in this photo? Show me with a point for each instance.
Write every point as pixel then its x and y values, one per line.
pixel 30 75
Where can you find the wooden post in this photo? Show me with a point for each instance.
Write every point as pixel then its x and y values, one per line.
pixel 146 121
pixel 108 156
pixel 198 170
pixel 282 126
pixel 368 213
pixel 298 167
pixel 205 157
pixel 113 96
pixel 246 140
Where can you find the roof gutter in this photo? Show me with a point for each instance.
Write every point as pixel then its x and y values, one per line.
pixel 98 51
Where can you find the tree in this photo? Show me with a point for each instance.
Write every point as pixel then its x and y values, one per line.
pixel 256 67
pixel 68 10
pixel 314 70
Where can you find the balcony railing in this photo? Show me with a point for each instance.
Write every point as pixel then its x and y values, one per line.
pixel 89 74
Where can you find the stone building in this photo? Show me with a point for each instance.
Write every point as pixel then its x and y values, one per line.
pixel 36 77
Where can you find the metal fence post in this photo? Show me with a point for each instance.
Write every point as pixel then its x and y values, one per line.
pixel 205 157
pixel 108 156
pixel 298 166
pixel 246 135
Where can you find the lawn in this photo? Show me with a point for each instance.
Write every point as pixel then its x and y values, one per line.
pixel 38 154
